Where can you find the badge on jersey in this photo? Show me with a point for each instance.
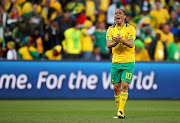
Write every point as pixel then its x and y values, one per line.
pixel 131 37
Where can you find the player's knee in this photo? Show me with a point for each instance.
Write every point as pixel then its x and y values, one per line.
pixel 117 88
pixel 125 86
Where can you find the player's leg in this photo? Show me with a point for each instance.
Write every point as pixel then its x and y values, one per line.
pixel 117 91
pixel 115 80
pixel 123 98
pixel 126 78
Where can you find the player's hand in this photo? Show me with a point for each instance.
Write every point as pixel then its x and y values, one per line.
pixel 114 38
pixel 119 38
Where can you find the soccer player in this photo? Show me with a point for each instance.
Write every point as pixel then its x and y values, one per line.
pixel 120 38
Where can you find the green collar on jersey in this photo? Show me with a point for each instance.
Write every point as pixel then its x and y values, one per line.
pixel 119 28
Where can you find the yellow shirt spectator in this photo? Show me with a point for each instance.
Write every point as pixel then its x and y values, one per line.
pixel 75 7
pixel 90 10
pixel 159 53
pixel 104 4
pixel 27 8
pixel 56 5
pixel 166 37
pixel 45 15
pixel 159 17
pixel 53 4
pixel 25 52
pixel 142 56
pixel 141 53
pixel 54 53
pixel 86 41
pixel 72 42
pixel 162 1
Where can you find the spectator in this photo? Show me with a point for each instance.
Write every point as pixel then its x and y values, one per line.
pixel 103 7
pixel 38 41
pixel 86 40
pixel 159 15
pixel 72 42
pixel 35 20
pixel 64 21
pixel 74 6
pixel 173 22
pixel 147 43
pixel 132 9
pixel 157 49
pixel 53 36
pixel 100 38
pixel 15 14
pixel 146 31
pixel 173 18
pixel 8 34
pixel 153 3
pixel 173 50
pixel 27 7
pixel 79 16
pixel 28 51
pixel 54 53
pixel 141 52
pixel 144 16
pixel 23 28
pixel 173 4
pixel 178 13
pixel 91 10
pixel 51 8
pixel 11 53
pixel 166 35
pixel 7 4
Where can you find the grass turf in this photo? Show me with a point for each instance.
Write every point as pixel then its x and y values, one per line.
pixel 88 111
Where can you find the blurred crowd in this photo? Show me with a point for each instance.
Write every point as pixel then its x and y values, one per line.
pixel 76 29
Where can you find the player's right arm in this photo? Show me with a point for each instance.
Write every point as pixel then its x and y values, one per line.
pixel 109 39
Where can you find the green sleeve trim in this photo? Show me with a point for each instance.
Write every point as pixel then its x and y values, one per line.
pixel 19 55
pixel 109 40
pixel 34 54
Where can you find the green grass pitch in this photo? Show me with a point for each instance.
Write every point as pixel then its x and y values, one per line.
pixel 88 111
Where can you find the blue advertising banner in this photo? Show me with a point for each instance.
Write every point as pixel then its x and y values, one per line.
pixel 51 79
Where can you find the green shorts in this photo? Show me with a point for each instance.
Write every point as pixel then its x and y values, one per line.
pixel 122 72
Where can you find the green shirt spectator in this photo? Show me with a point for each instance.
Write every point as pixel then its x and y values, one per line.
pixel 173 50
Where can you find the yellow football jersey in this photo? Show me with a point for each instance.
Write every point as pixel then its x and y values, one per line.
pixel 121 52
pixel 167 38
pixel 159 17
pixel 25 54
